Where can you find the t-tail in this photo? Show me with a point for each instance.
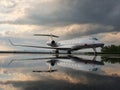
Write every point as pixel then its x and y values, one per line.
pixel 51 42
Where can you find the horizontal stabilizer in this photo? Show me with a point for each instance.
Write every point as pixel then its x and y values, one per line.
pixel 47 35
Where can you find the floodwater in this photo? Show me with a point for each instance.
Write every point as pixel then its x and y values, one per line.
pixel 63 72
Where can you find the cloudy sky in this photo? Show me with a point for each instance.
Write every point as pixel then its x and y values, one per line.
pixel 20 19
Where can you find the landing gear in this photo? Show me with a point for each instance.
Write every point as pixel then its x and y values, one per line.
pixel 69 52
pixel 57 52
pixel 95 53
pixel 94 58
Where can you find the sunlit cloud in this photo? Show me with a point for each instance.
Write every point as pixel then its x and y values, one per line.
pixel 16 30
pixel 12 9
pixel 7 5
pixel 111 38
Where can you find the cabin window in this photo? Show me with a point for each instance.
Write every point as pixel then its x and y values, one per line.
pixel 94 38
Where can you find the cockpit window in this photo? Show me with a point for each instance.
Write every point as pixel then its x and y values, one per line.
pixel 94 38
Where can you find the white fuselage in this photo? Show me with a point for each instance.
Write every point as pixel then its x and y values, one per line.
pixel 79 43
pixel 69 45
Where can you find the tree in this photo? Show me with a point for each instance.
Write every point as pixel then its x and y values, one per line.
pixel 111 49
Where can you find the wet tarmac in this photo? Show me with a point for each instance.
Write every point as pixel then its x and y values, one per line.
pixel 63 72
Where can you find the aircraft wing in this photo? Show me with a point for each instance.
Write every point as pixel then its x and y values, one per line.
pixel 23 45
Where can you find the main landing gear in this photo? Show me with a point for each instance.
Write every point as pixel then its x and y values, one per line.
pixel 57 52
pixel 95 53
pixel 69 52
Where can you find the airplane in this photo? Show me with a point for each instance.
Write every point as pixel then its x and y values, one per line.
pixel 67 45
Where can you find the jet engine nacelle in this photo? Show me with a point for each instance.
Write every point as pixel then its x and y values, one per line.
pixel 52 43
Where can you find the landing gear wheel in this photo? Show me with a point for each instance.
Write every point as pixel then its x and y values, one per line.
pixel 57 52
pixel 69 52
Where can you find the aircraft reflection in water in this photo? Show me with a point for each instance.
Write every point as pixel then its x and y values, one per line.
pixel 76 63
pixel 69 61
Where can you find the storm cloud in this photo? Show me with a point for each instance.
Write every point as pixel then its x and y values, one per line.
pixel 73 12
pixel 68 12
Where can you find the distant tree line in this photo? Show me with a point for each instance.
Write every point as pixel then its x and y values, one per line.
pixel 111 49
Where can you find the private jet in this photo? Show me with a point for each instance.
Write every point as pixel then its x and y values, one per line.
pixel 67 45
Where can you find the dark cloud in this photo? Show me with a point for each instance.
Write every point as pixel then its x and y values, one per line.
pixel 87 29
pixel 68 12
pixel 77 11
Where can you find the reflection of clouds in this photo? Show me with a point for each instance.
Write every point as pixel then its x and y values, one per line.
pixel 3 71
pixel 16 75
pixel 113 70
pixel 65 77
pixel 10 75
pixel 5 47
pixel 15 78
pixel 23 78
pixel 19 76
pixel 4 58
pixel 8 87
pixel 69 80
